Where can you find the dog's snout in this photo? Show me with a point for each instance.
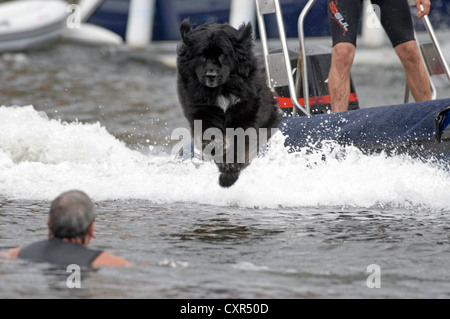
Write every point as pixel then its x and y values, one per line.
pixel 212 74
pixel 211 78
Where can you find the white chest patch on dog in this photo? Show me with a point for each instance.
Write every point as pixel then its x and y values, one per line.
pixel 224 102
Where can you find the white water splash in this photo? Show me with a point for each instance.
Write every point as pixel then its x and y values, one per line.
pixel 40 158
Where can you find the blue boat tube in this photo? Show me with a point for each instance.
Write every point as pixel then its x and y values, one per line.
pixel 419 129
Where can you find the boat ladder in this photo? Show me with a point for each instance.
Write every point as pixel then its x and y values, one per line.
pixel 278 65
pixel 432 56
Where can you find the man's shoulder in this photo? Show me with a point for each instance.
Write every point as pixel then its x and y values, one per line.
pixel 10 254
pixel 103 259
pixel 108 259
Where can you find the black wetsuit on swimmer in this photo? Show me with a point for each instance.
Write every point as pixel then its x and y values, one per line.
pixel 395 17
pixel 56 251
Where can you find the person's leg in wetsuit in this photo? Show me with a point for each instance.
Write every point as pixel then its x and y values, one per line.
pixel 396 20
pixel 344 17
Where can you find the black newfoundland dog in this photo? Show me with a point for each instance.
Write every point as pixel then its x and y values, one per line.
pixel 230 109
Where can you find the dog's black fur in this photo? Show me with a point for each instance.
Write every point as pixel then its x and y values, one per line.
pixel 219 84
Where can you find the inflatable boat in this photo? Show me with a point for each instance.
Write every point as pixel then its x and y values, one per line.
pixel 419 129
pixel 30 24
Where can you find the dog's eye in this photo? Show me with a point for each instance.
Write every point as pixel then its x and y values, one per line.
pixel 222 57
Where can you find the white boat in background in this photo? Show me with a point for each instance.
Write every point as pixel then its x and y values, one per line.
pixel 92 34
pixel 87 33
pixel 28 24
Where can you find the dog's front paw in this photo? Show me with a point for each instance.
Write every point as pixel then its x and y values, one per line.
pixel 227 180
pixel 229 174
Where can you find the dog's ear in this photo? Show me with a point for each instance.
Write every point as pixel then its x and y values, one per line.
pixel 244 40
pixel 185 29
pixel 245 33
pixel 244 50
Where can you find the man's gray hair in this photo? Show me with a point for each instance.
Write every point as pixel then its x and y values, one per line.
pixel 71 215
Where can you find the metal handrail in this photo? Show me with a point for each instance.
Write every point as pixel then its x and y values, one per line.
pixel 304 65
pixel 292 91
pixel 430 30
pixel 426 22
pixel 263 38
pixel 282 34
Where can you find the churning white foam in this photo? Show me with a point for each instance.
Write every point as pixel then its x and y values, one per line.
pixel 40 158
